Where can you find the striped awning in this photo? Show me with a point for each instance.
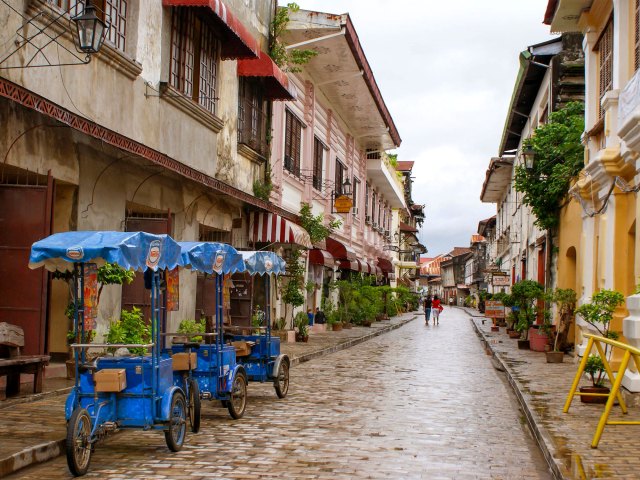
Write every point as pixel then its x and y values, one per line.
pixel 385 264
pixel 353 265
pixel 267 227
pixel 340 250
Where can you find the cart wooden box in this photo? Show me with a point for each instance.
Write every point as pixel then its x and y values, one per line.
pixel 184 360
pixel 242 348
pixel 111 380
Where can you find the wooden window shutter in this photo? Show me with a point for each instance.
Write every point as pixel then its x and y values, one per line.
pixel 604 48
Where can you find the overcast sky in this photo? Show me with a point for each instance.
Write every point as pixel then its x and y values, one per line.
pixel 446 71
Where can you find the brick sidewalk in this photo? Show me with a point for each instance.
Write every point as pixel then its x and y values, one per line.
pixel 565 439
pixel 32 429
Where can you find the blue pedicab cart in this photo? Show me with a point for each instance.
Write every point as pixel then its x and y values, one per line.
pixel 215 374
pixel 264 363
pixel 114 393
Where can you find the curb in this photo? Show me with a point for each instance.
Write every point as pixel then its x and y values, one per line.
pixel 349 343
pixel 47 451
pixel 540 434
pixel 31 456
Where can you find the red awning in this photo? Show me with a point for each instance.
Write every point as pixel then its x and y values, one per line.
pixel 271 228
pixel 385 264
pixel 353 265
pixel 238 42
pixel 378 271
pixel 276 82
pixel 371 267
pixel 340 250
pixel 318 256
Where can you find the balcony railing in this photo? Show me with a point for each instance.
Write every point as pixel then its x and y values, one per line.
pixel 252 127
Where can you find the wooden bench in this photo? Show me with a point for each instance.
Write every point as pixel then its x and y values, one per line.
pixel 12 364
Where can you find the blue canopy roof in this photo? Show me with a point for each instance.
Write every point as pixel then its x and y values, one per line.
pixel 211 257
pixel 262 262
pixel 130 250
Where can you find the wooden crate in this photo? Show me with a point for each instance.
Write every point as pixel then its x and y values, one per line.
pixel 111 380
pixel 182 360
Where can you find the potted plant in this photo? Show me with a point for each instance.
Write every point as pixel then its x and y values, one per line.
pixel 595 369
pixel 189 327
pixel 130 328
pixel 524 296
pixel 565 301
pixel 301 322
pixel 539 337
pixel 598 313
pixel 279 329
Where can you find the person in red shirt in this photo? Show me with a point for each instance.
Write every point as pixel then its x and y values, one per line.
pixel 436 308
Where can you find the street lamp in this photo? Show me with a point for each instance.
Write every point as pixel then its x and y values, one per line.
pixel 529 155
pixel 346 188
pixel 90 29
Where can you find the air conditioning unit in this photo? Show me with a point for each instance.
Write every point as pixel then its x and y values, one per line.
pixel 375 225
pixel 387 233
pixel 354 211
pixel 367 219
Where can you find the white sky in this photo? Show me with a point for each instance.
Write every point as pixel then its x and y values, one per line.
pixel 446 71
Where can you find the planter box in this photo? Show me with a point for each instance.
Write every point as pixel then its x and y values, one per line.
pixel 514 334
pixel 184 361
pixel 110 380
pixel 336 327
pixel 523 344
pixel 495 328
pixel 555 357
pixel 592 398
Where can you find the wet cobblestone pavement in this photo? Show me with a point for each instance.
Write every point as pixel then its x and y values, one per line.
pixel 418 402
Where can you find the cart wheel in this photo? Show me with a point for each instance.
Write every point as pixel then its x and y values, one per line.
pixel 194 405
pixel 281 383
pixel 174 436
pixel 78 443
pixel 238 401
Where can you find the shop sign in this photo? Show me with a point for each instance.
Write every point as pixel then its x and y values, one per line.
pixel 500 280
pixel 343 204
pixel 493 309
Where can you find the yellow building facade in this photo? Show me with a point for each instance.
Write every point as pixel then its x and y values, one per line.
pixel 606 254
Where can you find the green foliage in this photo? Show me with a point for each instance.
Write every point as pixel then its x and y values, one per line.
pixel 524 295
pixel 595 369
pixel 559 158
pixel 292 290
pixel 130 328
pixel 262 189
pixel 114 274
pixel 191 326
pixel 301 322
pixel 318 231
pixel 280 324
pixel 565 300
pixel 393 159
pixel 599 312
pixel 506 299
pixel 288 60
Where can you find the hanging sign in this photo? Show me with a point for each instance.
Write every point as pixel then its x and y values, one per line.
pixel 493 309
pixel 90 295
pixel 500 280
pixel 343 204
pixel 173 290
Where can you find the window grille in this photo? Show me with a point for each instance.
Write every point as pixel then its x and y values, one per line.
pixel 292 143
pixel 318 157
pixel 604 47
pixel 252 117
pixel 356 192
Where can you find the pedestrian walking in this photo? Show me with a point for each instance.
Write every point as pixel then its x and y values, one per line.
pixel 320 318
pixel 436 308
pixel 427 308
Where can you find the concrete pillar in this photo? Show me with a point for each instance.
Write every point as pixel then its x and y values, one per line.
pixel 631 331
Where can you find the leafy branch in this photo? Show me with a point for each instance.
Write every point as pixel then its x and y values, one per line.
pixel 286 59
pixel 559 158
pixel 318 231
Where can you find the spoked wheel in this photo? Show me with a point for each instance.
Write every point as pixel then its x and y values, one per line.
pixel 174 436
pixel 78 443
pixel 281 383
pixel 238 401
pixel 194 405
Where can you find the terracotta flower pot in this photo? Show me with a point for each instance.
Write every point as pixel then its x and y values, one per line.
pixel 592 398
pixel 495 328
pixel 514 334
pixel 523 344
pixel 537 340
pixel 336 327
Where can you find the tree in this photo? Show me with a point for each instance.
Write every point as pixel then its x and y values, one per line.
pixel 292 289
pixel 318 231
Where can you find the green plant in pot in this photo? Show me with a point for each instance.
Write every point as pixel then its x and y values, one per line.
pixel 189 327
pixel 129 328
pixel 525 295
pixel 594 368
pixel 598 313
pixel 565 301
pixel 301 322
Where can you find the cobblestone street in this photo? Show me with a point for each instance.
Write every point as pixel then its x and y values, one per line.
pixel 418 402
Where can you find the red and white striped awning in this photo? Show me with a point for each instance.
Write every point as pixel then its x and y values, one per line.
pixel 271 228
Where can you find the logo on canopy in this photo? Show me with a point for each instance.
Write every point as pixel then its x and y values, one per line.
pixel 75 253
pixel 219 261
pixel 268 264
pixel 153 257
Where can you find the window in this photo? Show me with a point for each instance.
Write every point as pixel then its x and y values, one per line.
pixel 637 35
pixel 252 118
pixel 356 192
pixel 374 203
pixel 292 144
pixel 340 176
pixel 113 12
pixel 373 154
pixel 318 160
pixel 367 194
pixel 604 47
pixel 195 52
